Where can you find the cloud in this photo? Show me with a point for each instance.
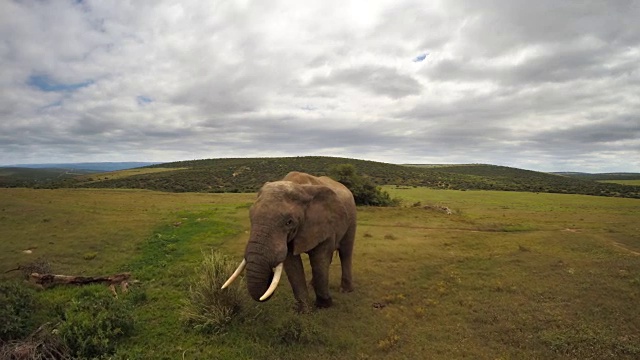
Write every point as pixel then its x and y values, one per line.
pixel 541 85
pixel 142 100
pixel 378 80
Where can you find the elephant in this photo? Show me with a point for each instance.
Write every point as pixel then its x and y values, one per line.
pixel 301 213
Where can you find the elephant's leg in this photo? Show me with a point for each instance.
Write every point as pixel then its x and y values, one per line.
pixel 295 273
pixel 320 258
pixel 346 256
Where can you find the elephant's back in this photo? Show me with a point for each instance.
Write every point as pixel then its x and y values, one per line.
pixel 344 194
pixel 342 191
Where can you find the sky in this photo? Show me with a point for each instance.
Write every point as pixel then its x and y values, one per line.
pixel 540 85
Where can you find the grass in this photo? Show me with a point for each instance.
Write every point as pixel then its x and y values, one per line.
pixel 64 225
pixel 507 275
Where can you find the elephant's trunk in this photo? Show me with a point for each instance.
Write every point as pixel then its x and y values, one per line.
pixel 259 276
pixel 259 271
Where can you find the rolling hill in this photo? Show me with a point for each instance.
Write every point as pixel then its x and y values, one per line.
pixel 602 176
pixel 248 174
pixel 34 177
pixel 88 166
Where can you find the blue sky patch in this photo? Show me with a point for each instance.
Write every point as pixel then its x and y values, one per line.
pixel 143 99
pixel 420 57
pixel 47 84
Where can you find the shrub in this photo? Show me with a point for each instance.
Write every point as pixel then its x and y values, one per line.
pixel 94 321
pixel 365 192
pixel 16 306
pixel 209 308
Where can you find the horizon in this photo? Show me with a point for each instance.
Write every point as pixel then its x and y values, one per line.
pixel 26 165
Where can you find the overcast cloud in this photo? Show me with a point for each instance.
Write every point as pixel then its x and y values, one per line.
pixel 541 85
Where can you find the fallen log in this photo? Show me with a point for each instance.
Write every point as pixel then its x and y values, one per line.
pixel 47 280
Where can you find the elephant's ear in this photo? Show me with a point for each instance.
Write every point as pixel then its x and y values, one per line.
pixel 324 213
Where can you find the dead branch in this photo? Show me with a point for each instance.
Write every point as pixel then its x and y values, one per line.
pixel 48 280
pixel 16 269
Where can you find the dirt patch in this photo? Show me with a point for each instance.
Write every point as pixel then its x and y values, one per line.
pixel 620 246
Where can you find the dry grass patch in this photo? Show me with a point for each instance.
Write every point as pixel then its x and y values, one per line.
pixel 208 308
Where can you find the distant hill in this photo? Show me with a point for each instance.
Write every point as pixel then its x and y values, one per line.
pixel 51 175
pixel 248 174
pixel 94 166
pixel 601 176
pixel 26 177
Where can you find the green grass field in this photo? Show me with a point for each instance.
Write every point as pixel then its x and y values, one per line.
pixel 507 275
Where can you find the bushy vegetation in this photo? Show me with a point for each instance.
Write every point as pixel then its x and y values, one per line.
pixel 37 178
pixel 248 174
pixel 17 305
pixel 208 308
pixel 490 177
pixel 238 175
pixel 86 326
pixel 94 321
pixel 365 192
pixel 602 176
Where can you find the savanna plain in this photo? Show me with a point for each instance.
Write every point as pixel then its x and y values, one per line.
pixel 505 275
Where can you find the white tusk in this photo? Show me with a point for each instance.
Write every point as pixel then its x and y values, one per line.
pixel 274 282
pixel 236 273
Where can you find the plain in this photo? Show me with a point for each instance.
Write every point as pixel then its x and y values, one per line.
pixel 506 275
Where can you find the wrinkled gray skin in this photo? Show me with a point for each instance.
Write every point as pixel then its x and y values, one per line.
pixel 301 214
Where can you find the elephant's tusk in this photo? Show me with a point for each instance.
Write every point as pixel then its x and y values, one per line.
pixel 236 273
pixel 274 282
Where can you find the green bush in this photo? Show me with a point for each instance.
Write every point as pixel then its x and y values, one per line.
pixel 17 305
pixel 365 192
pixel 209 308
pixel 94 321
